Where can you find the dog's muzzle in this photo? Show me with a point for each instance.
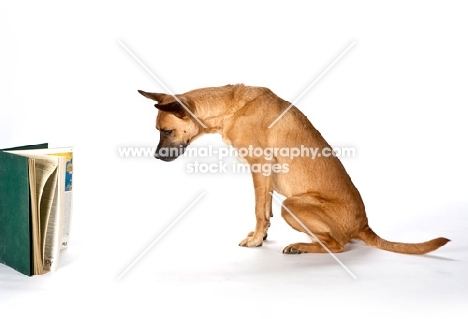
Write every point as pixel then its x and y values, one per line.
pixel 168 154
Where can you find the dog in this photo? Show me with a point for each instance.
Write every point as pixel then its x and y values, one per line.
pixel 321 200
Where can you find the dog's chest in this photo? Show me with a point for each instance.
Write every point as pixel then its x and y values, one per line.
pixel 239 158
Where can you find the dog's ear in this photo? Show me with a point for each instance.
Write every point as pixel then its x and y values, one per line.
pixel 174 107
pixel 158 97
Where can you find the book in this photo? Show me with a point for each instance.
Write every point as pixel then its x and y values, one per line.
pixel 35 206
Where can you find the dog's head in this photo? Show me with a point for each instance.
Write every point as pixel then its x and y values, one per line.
pixel 177 128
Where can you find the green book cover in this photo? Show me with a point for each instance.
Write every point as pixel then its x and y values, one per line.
pixel 15 228
pixel 27 147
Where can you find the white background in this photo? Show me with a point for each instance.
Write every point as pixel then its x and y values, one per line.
pixel 398 97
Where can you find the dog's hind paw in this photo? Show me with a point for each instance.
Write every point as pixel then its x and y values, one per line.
pixel 292 249
pixel 300 248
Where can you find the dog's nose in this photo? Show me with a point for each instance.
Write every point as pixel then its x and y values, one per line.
pixel 169 154
pixel 164 158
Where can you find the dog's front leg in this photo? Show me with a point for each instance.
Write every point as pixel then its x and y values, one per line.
pixel 262 185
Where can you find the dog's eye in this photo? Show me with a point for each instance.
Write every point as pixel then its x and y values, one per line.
pixel 166 132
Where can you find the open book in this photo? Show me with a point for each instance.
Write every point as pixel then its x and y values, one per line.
pixel 35 206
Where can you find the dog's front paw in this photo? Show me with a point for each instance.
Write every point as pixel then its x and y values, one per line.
pixel 264 236
pixel 252 241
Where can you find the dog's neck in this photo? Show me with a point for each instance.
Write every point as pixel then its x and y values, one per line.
pixel 214 122
pixel 214 108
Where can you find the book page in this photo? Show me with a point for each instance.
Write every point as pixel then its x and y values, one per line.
pixel 52 239
pixel 50 221
pixel 46 184
pixel 36 257
pixel 47 180
pixel 68 187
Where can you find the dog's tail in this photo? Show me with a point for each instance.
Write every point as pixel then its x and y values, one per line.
pixel 372 239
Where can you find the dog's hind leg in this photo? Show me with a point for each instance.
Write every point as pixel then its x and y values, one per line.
pixel 308 211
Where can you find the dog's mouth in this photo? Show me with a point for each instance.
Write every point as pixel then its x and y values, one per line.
pixel 168 154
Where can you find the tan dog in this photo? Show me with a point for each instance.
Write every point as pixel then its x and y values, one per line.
pixel 319 191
